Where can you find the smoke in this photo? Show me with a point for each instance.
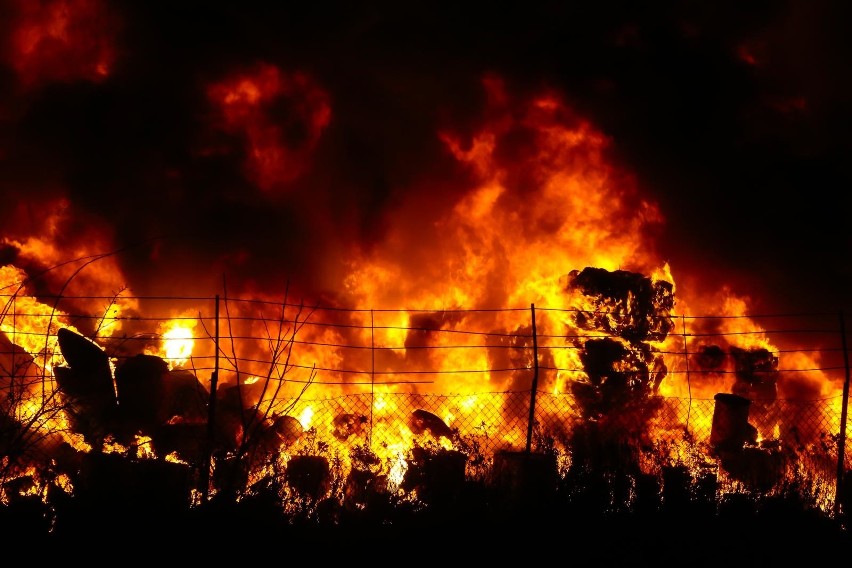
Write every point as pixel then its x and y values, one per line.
pixel 267 145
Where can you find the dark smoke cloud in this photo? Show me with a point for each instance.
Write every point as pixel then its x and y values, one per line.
pixel 730 115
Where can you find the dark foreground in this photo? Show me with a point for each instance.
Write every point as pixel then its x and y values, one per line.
pixel 738 534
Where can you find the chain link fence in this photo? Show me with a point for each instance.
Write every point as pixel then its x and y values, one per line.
pixel 659 439
pixel 344 406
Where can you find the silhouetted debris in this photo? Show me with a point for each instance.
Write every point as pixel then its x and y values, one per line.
pixel 366 485
pixel 188 398
pixel 245 438
pixel 705 491
pixel 21 382
pixel 141 393
pixel 230 416
pixel 17 370
pixel 238 421
pixel 436 475
pixel 347 425
pixel 422 421
pixel 115 488
pixel 624 368
pixel 146 398
pixel 627 304
pixel 150 396
pixel 730 429
pixel 756 374
pixel 230 474
pixel 709 358
pixel 676 489
pixel 599 358
pixel 309 475
pixel 758 468
pixel 288 430
pixel 605 461
pixel 524 480
pixel 617 376
pixel 92 375
pixel 364 489
pixel 267 438
pixel 188 440
pixel 86 386
pixel 734 441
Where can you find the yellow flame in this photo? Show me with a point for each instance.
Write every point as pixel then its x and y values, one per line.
pixel 306 416
pixel 144 449
pixel 178 341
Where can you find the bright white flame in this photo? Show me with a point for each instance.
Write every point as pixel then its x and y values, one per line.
pixel 306 416
pixel 178 343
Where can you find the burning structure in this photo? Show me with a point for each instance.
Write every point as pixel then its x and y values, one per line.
pixel 508 320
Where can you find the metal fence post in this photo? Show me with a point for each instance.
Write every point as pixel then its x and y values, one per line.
pixel 372 377
pixel 211 413
pixel 686 368
pixel 534 387
pixel 841 437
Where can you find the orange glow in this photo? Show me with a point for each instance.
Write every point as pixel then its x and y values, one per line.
pixel 35 328
pixel 178 340
pixel 80 261
pixel 511 239
pixel 63 40
pixel 249 105
pixel 449 305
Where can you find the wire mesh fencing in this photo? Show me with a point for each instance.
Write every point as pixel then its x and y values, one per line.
pixel 335 403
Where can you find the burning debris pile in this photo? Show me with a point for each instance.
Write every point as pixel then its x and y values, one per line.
pixel 634 312
pixel 137 410
pixel 140 419
pixel 417 372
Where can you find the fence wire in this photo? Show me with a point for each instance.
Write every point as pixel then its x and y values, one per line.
pixel 340 403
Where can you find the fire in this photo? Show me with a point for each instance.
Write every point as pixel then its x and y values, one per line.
pixel 305 417
pixel 178 340
pixel 541 271
pixel 27 322
pixel 82 266
pixel 509 240
pixel 143 447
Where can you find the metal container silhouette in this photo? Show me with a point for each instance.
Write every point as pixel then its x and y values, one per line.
pixel 730 428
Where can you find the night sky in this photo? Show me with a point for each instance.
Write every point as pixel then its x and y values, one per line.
pixel 732 116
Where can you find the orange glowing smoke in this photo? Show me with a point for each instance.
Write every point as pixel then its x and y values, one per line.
pixel 62 41
pixel 545 201
pixel 279 117
pixel 60 245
